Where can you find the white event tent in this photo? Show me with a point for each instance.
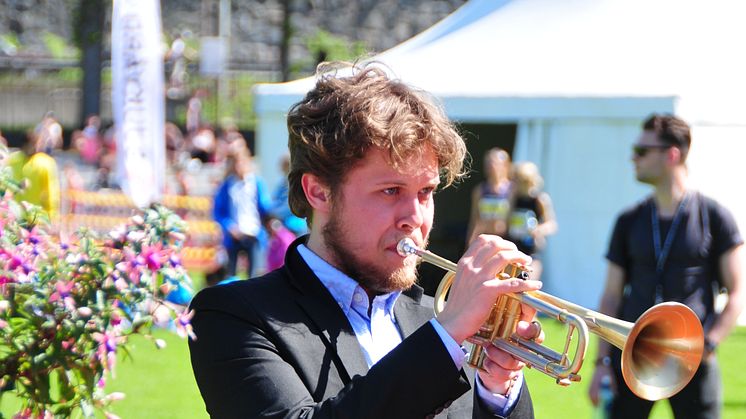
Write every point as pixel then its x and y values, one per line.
pixel 577 77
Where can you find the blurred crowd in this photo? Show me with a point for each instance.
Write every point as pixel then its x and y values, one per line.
pixel 253 218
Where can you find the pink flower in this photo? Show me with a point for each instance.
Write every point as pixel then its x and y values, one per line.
pixel 151 257
pixel 63 291
pixel 116 317
pixel 174 260
pixel 14 262
pixel 24 414
pixel 33 236
pixel 183 327
pixel 107 349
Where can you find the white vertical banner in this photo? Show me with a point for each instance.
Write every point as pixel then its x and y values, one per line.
pixel 138 99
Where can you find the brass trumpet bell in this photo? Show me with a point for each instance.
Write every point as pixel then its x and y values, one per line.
pixel 661 351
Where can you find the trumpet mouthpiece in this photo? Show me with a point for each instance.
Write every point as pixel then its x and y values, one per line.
pixel 406 247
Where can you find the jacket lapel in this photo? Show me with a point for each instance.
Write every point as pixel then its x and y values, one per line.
pixel 410 314
pixel 325 314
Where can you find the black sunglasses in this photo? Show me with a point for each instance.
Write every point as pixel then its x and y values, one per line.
pixel 642 150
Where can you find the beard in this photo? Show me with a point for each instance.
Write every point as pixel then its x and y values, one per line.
pixel 371 276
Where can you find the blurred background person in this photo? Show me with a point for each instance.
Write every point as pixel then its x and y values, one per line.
pixel 280 206
pixel 239 206
pixel 280 239
pixel 490 199
pixel 203 145
pixel 89 143
pixel 41 171
pixel 531 217
pixel 193 114
pixel 676 245
pixel 176 59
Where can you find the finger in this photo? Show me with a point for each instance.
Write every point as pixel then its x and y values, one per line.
pixel 530 330
pixel 493 249
pixel 497 379
pixel 502 359
pixel 495 372
pixel 500 259
pixel 528 313
pixel 513 285
pixel 487 240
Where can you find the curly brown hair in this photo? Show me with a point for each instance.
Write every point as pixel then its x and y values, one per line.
pixel 334 126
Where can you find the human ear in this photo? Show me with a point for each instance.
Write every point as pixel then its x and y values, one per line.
pixel 317 193
pixel 674 155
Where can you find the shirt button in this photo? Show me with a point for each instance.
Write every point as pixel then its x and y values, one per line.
pixel 358 298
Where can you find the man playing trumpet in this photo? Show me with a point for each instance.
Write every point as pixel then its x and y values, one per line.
pixel 342 330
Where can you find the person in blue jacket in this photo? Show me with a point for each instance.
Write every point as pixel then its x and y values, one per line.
pixel 240 204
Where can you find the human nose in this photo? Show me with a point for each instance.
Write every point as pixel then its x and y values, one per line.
pixel 412 213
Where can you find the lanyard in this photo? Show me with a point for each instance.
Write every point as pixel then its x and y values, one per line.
pixel 661 254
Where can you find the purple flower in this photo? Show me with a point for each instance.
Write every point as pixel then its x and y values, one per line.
pixel 174 260
pixel 107 348
pixel 183 327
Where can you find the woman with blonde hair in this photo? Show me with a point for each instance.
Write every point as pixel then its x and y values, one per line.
pixel 531 217
pixel 490 200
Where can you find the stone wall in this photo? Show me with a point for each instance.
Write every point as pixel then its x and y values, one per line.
pixel 256 36
pixel 256 25
pixel 28 20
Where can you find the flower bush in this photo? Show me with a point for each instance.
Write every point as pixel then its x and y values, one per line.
pixel 69 303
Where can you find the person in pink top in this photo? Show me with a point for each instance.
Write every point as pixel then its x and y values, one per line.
pixel 280 239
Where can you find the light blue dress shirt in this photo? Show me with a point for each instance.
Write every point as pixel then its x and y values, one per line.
pixel 378 332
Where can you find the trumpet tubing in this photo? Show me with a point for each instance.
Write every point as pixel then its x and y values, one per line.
pixel 661 351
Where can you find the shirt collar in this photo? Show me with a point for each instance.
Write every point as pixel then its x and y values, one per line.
pixel 342 287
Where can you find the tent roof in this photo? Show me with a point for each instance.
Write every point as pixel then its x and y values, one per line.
pixel 574 49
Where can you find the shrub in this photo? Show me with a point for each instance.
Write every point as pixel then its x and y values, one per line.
pixel 69 303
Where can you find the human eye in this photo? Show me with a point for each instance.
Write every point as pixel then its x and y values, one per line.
pixel 391 191
pixel 427 192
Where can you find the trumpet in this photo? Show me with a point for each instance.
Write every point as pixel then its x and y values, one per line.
pixel 661 351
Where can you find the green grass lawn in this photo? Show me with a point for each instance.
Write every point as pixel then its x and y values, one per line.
pixel 159 383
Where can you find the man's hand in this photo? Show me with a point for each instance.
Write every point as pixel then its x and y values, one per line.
pixel 598 374
pixel 476 286
pixel 501 368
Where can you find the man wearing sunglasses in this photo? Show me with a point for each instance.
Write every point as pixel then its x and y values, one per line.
pixel 676 245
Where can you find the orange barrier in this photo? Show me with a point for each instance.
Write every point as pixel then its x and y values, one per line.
pixel 103 211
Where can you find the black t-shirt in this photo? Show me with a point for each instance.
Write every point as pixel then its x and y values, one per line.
pixel 526 214
pixel 705 232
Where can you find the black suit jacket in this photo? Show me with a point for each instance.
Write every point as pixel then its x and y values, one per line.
pixel 279 346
